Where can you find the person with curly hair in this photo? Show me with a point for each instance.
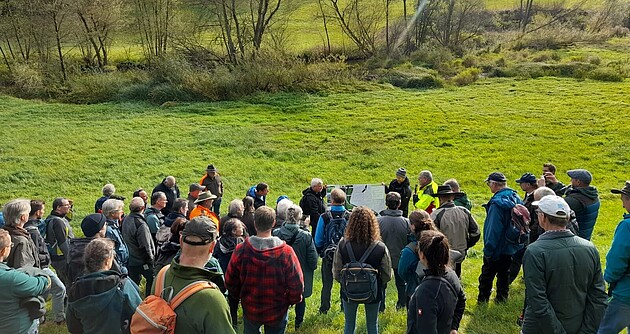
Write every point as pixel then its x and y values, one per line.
pixel 363 231
pixel 420 221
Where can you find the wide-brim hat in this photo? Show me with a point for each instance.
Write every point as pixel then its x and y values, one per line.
pixel 625 190
pixel 204 196
pixel 446 190
pixel 211 168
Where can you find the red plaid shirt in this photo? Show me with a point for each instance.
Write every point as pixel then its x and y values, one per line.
pixel 266 281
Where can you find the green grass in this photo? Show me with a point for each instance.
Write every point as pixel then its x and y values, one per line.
pixel 49 149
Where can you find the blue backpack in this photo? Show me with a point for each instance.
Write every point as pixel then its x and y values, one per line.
pixel 334 229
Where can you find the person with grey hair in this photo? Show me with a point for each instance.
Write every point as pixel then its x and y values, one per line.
pixel 304 247
pixel 58 234
pixel 281 211
pixel 113 210
pixel 102 300
pixel 137 236
pixel 236 209
pixel 23 253
pixel 169 187
pixel 423 192
pixel 312 202
pixel 108 191
pixel 460 200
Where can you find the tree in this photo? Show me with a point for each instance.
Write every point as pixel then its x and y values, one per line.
pixel 153 19
pixel 98 19
pixel 360 20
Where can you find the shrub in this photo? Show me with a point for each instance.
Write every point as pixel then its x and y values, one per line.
pixel 469 61
pixel 467 76
pixel 436 58
pixel 424 82
pixel 29 81
pixel 605 74
pixel 101 87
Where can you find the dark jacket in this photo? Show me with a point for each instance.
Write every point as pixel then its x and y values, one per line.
pixel 171 195
pixel 248 220
pixel 585 203
pixel 224 248
pixel 98 206
pixel 58 232
pixel 258 200
pixel 564 287
pixel 32 226
pixel 170 219
pixel 304 248
pixel 498 218
pixel 437 306
pixel 404 189
pixel 165 255
pixel 138 239
pixel 379 260
pixel 312 205
pixel 24 253
pixel 463 201
pixel 213 185
pixel 394 231
pixel 102 302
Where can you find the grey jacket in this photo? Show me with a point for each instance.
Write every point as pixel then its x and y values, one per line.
pixel 23 253
pixel 459 226
pixel 304 248
pixel 394 231
pixel 138 238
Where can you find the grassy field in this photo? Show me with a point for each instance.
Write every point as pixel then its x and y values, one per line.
pixel 48 150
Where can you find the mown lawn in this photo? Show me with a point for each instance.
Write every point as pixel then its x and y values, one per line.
pixel 48 149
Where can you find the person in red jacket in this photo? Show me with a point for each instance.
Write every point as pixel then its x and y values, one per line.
pixel 265 274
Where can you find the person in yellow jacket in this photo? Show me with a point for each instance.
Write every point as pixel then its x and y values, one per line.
pixel 204 207
pixel 422 194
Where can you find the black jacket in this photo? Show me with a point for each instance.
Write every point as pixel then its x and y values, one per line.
pixel 312 204
pixel 404 189
pixel 32 226
pixel 171 195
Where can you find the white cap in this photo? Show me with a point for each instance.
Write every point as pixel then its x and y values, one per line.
pixel 554 206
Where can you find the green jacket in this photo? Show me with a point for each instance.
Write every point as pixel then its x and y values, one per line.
pixel 206 311
pixel 17 286
pixel 564 287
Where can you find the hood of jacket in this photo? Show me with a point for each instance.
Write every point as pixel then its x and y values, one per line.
pixel 505 198
pixel 93 293
pixel 252 191
pixel 588 192
pixel 170 219
pixel 264 244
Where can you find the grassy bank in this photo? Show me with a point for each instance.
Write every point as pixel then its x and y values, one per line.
pixel 509 125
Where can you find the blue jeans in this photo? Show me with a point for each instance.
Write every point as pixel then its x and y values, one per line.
pixel 216 206
pixel 250 327
pixel 371 316
pixel 616 318
pixel 58 292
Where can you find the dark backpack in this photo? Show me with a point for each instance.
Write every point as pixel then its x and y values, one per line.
pixel 517 231
pixel 76 263
pixel 359 280
pixel 334 229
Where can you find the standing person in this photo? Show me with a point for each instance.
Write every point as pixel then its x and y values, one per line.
pixel 17 286
pixel 304 247
pixel 564 287
pixel 548 179
pixel 584 200
pixel 204 208
pixel 401 185
pixel 248 214
pixel 213 183
pixel 57 289
pixel 528 184
pixel 236 209
pixel 193 193
pixel 108 190
pixel 331 226
pixel 154 215
pixel 103 300
pixel 259 194
pixel 282 204
pixel 462 199
pixel 457 223
pixel 167 252
pixel 362 235
pixel 438 304
pixel 617 273
pixel 422 194
pixel 265 274
pixel 113 210
pixel 23 253
pixel 408 264
pixel 394 229
pixel 93 227
pixel 142 194
pixel 497 251
pixel 169 187
pixel 206 311
pixel 137 236
pixel 58 234
pixel 312 202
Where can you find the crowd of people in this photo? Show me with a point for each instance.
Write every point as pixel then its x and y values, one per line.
pixel 204 265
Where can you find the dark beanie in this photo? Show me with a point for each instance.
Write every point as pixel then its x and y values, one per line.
pixel 91 224
pixel 401 172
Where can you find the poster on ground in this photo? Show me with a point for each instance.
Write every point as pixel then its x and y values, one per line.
pixel 370 195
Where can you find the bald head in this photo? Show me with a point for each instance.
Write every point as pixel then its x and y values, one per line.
pixel 169 181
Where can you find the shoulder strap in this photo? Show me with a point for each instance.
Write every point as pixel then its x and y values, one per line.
pixel 443 280
pixel 439 218
pixel 367 252
pixel 290 242
pixel 350 251
pixel 190 290
pixel 159 280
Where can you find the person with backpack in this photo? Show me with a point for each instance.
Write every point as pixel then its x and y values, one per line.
pixel 93 226
pixel 167 252
pixel 331 227
pixel 395 230
pixel 362 265
pixel 265 274
pixel 457 223
pixel 58 235
pixel 180 210
pixel 57 289
pixel 113 210
pixel 312 202
pixel 410 269
pixel 438 304
pixel 497 251
pixel 102 300
pixel 185 287
pixel 140 243
pixel 304 247
pixel 528 184
pixel 154 215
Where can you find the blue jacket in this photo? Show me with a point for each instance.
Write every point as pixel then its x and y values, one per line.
pixel 618 261
pixel 498 217
pixel 407 268
pixel 585 203
pixel 319 231
pixel 114 233
pixel 258 200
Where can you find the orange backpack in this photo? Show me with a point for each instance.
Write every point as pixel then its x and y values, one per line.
pixel 157 315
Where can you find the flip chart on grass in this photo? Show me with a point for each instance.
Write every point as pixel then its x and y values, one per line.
pixel 370 195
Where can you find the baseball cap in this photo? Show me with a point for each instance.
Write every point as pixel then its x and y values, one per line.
pixel 196 186
pixel 580 174
pixel 527 178
pixel 201 227
pixel 554 206
pixel 496 177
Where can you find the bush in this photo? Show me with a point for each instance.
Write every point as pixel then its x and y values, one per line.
pixel 419 80
pixel 101 87
pixel 28 80
pixel 605 74
pixel 437 58
pixel 467 76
